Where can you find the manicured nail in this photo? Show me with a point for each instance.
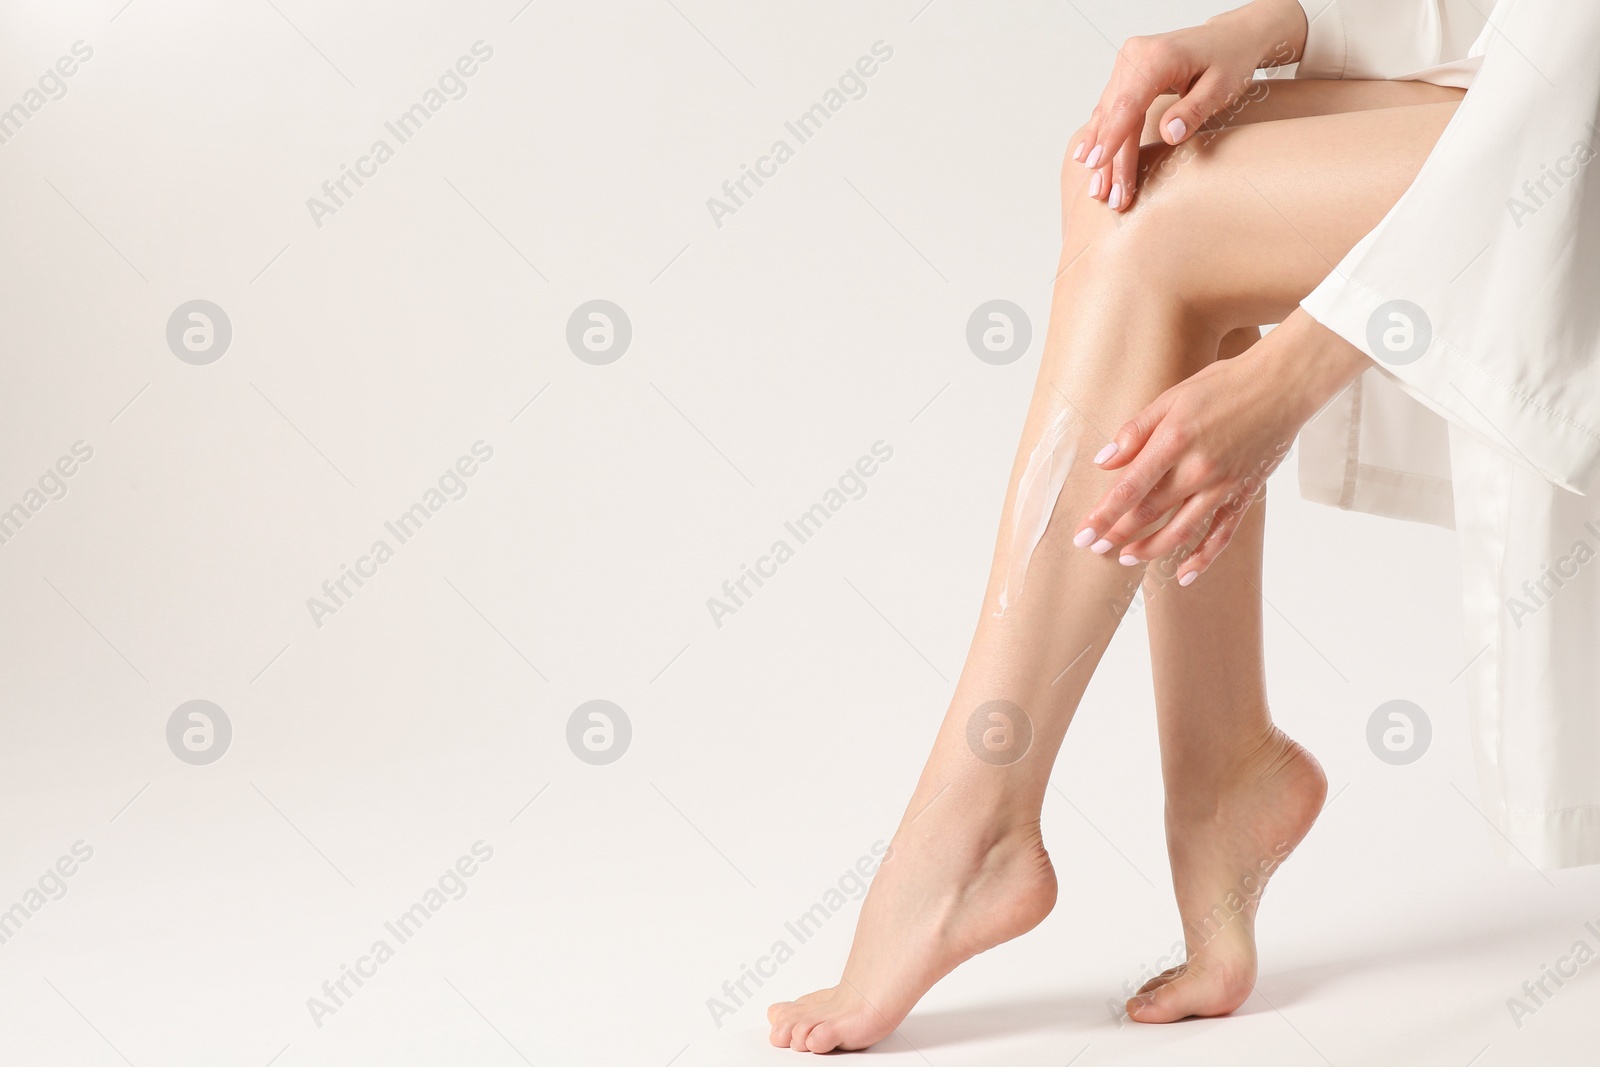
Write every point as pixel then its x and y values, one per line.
pixel 1188 578
pixel 1106 453
pixel 1129 561
pixel 1094 157
pixel 1100 547
pixel 1175 130
pixel 1085 535
pixel 1077 153
pixel 1114 201
pixel 1094 185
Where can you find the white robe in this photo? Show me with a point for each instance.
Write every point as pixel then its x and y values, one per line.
pixel 1491 422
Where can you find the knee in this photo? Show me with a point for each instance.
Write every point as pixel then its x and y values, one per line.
pixel 1138 245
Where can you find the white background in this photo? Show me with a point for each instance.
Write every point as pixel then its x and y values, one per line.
pixel 371 752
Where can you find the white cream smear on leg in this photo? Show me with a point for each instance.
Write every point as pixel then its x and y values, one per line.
pixel 1037 492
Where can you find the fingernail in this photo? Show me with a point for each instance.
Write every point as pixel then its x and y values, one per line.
pixel 1129 561
pixel 1085 535
pixel 1106 453
pixel 1077 153
pixel 1188 578
pixel 1100 547
pixel 1094 157
pixel 1175 130
pixel 1094 185
pixel 1115 200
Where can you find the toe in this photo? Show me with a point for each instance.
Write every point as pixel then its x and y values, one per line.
pixel 823 1037
pixel 797 1038
pixel 1161 979
pixel 1193 992
pixel 781 1016
pixel 1168 1003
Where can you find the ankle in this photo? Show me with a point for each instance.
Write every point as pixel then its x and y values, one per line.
pixel 974 814
pixel 1202 787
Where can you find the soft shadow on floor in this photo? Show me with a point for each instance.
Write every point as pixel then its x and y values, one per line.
pixel 1082 1012
pixel 1068 1012
pixel 1288 985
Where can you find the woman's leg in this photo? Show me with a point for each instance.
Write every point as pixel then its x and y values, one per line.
pixel 1239 791
pixel 1226 234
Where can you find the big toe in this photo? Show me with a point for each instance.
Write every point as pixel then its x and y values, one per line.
pixel 1158 981
pixel 1192 992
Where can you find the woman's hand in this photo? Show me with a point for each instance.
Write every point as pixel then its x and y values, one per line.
pixel 1207 66
pixel 1203 450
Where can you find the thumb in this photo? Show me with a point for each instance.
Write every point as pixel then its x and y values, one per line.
pixel 1208 96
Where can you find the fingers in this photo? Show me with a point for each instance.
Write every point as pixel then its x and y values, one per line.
pixel 1125 496
pixel 1086 138
pixel 1133 435
pixel 1085 148
pixel 1098 160
pixel 1189 526
pixel 1111 149
pixel 1124 175
pixel 1146 67
pixel 1110 143
pixel 1206 98
pixel 1155 506
pixel 1226 524
pixel 1135 83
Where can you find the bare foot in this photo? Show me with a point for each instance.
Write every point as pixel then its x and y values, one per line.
pixel 952 885
pixel 1223 849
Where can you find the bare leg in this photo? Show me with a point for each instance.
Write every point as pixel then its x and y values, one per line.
pixel 1240 793
pixel 1223 235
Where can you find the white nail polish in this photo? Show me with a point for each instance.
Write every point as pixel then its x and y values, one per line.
pixel 1077 153
pixel 1114 201
pixel 1094 186
pixel 1187 578
pixel 1094 157
pixel 1106 453
pixel 1085 535
pixel 1100 547
pixel 1175 130
pixel 1129 561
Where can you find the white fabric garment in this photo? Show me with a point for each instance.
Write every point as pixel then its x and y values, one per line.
pixel 1483 408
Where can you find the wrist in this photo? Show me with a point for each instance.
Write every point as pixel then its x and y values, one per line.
pixel 1311 362
pixel 1276 29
